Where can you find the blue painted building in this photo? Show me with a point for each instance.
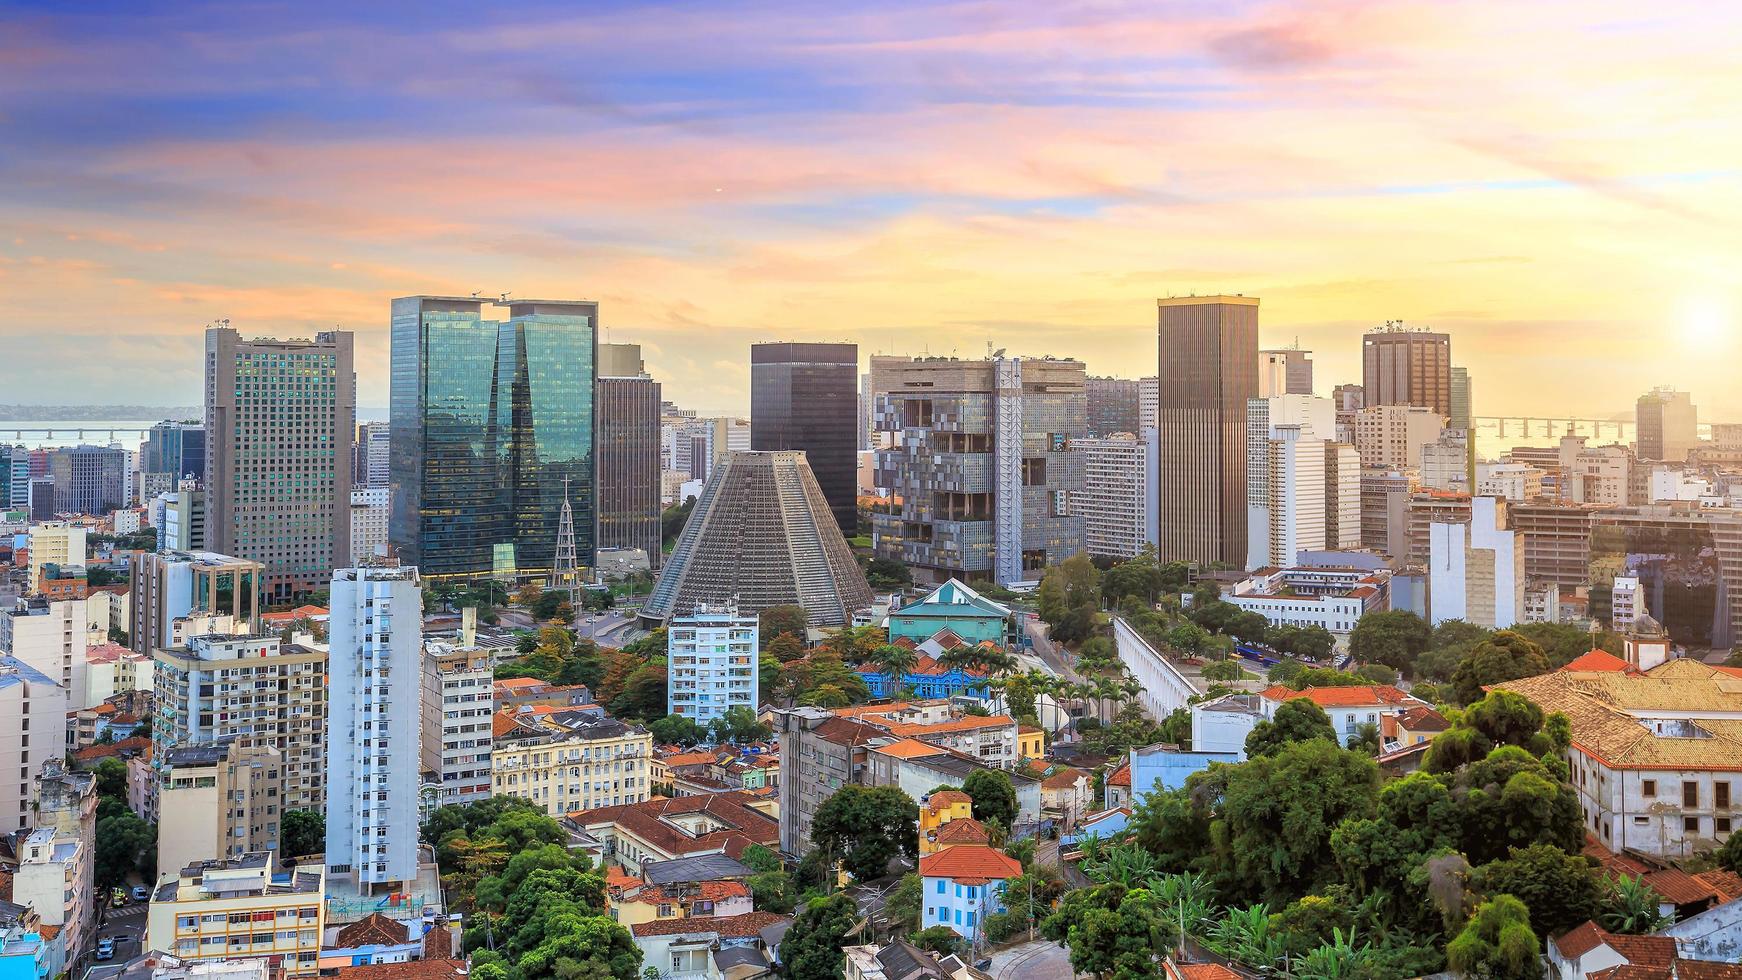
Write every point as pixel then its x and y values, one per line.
pixel 929 679
pixel 957 608
pixel 1156 767
pixel 961 885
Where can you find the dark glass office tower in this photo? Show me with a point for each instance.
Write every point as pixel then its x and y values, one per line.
pixel 806 397
pixel 89 479
pixel 488 418
pixel 627 401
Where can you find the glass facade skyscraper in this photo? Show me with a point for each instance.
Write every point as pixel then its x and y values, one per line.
pixel 488 418
pixel 805 396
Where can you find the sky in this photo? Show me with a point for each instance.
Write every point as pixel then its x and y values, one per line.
pixel 1556 184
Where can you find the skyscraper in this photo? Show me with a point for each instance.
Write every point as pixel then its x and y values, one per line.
pixel 172 452
pixel 1286 501
pixel 488 419
pixel 374 722
pixel 1208 370
pixel 761 535
pixel 627 401
pixel 1407 366
pixel 280 416
pixel 1462 409
pixel 1113 405
pixel 805 397
pixel 1285 371
pixel 1116 503
pixel 371 454
pixel 89 479
pixel 1667 421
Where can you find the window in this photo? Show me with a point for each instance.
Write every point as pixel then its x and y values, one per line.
pixel 1720 825
pixel 1690 794
pixel 1647 787
pixel 1721 795
pixel 940 886
pixel 1690 825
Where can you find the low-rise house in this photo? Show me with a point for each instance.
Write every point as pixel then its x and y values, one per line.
pixel 1588 950
pixel 952 606
pixel 1030 741
pixel 917 768
pixel 1163 767
pixel 377 939
pixel 938 810
pixel 902 960
pixel 712 948
pixel 1412 726
pixel 1116 789
pixel 25 952
pixel 1348 707
pixel 1222 724
pixel 930 676
pixel 686 888
pixel 1065 795
pixel 962 885
pixel 661 830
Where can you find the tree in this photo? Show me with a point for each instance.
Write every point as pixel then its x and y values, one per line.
pixel 1277 815
pixel 303 832
pixel 1497 942
pixel 1365 739
pixel 739 724
pixel 866 827
pixel 786 648
pixel 887 573
pixel 941 940
pixel 1224 670
pixel 1512 799
pixel 643 693
pixel 673 519
pixel 994 796
pixel 1560 889
pixel 111 776
pixel 1393 637
pixel 1505 656
pixel 1633 907
pixel 676 730
pixel 1112 931
pixel 1189 639
pixel 1069 597
pixel 777 620
pixel 1139 578
pixel 904 903
pixel 1562 643
pixel 1298 720
pixel 895 661
pixel 126 845
pixel 812 947
pixel 1729 856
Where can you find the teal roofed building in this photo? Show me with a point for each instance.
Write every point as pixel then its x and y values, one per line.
pixel 957 608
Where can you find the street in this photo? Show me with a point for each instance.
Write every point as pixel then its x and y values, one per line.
pixel 125 925
pixel 1040 960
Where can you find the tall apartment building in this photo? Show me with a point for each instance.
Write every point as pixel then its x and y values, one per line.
pixel 1148 401
pixel 369 514
pixel 1285 371
pixel 628 462
pixel 1556 538
pixel 66 802
pixel 89 479
pixel 371 454
pixel 696 446
pixel 238 909
pixel 458 703
pixel 223 801
pixel 1667 425
pixel 805 397
pixel 14 477
pixel 491 421
pixel 33 719
pixel 54 542
pixel 1430 507
pixel 374 723
pixel 1286 487
pixel 1476 569
pixel 1208 371
pixel 761 535
pixel 712 663
pixel 982 466
pixel 51 636
pixel 217 593
pixel 280 417
pixel 1114 405
pixel 572 760
pixel 255 690
pixel 1445 462
pixel 1342 496
pixel 183 525
pixel 1392 436
pixel 53 878
pixel 1407 366
pixel 1117 504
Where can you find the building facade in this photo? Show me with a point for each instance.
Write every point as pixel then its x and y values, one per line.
pixel 1407 366
pixel 1476 569
pixel 374 723
pixel 1116 503
pixel 1285 371
pixel 1114 405
pixel 170 588
pixel 1393 436
pixel 1667 425
pixel 1208 372
pixel 369 512
pixel 491 421
pixel 573 761
pixel 50 635
pixel 712 663
pixel 89 479
pixel 628 461
pixel 224 800
pixel 459 702
pixel 33 713
pixel 280 416
pixel 236 909
pixel 805 397
pixel 982 466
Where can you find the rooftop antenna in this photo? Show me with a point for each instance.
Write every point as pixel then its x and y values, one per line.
pixel 505 296
pixel 475 293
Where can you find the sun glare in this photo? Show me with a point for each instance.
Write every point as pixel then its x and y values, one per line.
pixel 1708 322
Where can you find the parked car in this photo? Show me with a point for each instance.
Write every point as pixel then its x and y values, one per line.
pixel 105 949
pixel 141 893
pixel 118 896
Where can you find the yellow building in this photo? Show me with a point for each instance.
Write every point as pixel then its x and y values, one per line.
pixel 940 809
pixel 569 760
pixel 1030 742
pixel 215 910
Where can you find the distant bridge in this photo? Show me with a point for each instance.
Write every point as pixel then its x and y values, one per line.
pixel 74 430
pixel 1555 426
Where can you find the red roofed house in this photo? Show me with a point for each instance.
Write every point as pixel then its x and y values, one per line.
pixel 1348 707
pixel 961 885
pixel 1116 791
pixel 729 947
pixel 1065 795
pixel 1599 661
pixel 1588 949
pixel 660 829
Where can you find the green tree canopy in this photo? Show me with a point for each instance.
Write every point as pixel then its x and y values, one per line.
pixel 867 826
pixel 1297 720
pixel 1505 656
pixel 994 796
pixel 1069 597
pixel 1277 814
pixel 1112 931
pixel 1497 942
pixel 676 730
pixel 1560 889
pixel 812 948
pixel 1393 637
pixel 302 832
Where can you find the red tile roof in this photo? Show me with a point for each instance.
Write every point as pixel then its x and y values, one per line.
pixel 1727 885
pixel 1599 660
pixel 964 831
pixel 372 930
pixel 946 797
pixel 730 926
pixel 1201 971
pixel 707 891
pixel 125 747
pixel 967 723
pixel 518 683
pixel 1656 951
pixel 1423 719
pixel 745 826
pixel 969 862
pixel 1340 697
pixel 1121 776
pixel 502 723
pixel 1063 779
pixel 1679 888
pixel 414 970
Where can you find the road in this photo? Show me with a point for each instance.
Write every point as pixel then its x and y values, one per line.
pixel 125 925
pixel 1040 960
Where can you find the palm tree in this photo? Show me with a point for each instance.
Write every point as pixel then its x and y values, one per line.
pixel 896 662
pixel 1634 908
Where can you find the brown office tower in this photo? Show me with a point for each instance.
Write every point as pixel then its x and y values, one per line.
pixel 1406 366
pixel 280 417
pixel 1208 368
pixel 627 416
pixel 805 397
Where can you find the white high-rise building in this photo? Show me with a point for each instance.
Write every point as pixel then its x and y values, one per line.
pixel 712 657
pixel 369 507
pixel 459 703
pixel 1148 400
pixel 54 542
pixel 1625 603
pixel 1476 570
pixel 1392 436
pixel 374 722
pixel 51 636
pixel 1286 506
pixel 1117 508
pixel 372 439
pixel 1342 496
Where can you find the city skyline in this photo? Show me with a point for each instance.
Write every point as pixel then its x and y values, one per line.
pixel 713 182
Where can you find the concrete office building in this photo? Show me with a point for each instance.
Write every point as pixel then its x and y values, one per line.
pixel 14 477
pixel 1287 371
pixel 1117 503
pixel 1476 569
pixel 1385 511
pixel 761 535
pixel 255 690
pixel 89 479
pixel 374 723
pixel 1407 366
pixel 51 636
pixel 371 453
pixel 224 800
pixel 712 663
pixel 1445 462
pixel 1594 474
pixel 1208 372
pixel 56 543
pixel 458 703
pixel 1392 436
pixel 493 423
pixel 805 397
pixel 1556 538
pixel 1667 425
pixel 1285 477
pixel 1114 405
pixel 183 527
pixel 172 452
pixel 33 713
pixel 627 402
pixel 280 417
pixel 369 515
pixel 1342 497
pixel 1461 413
pixel 172 587
pixel 982 465
pixel 1516 482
